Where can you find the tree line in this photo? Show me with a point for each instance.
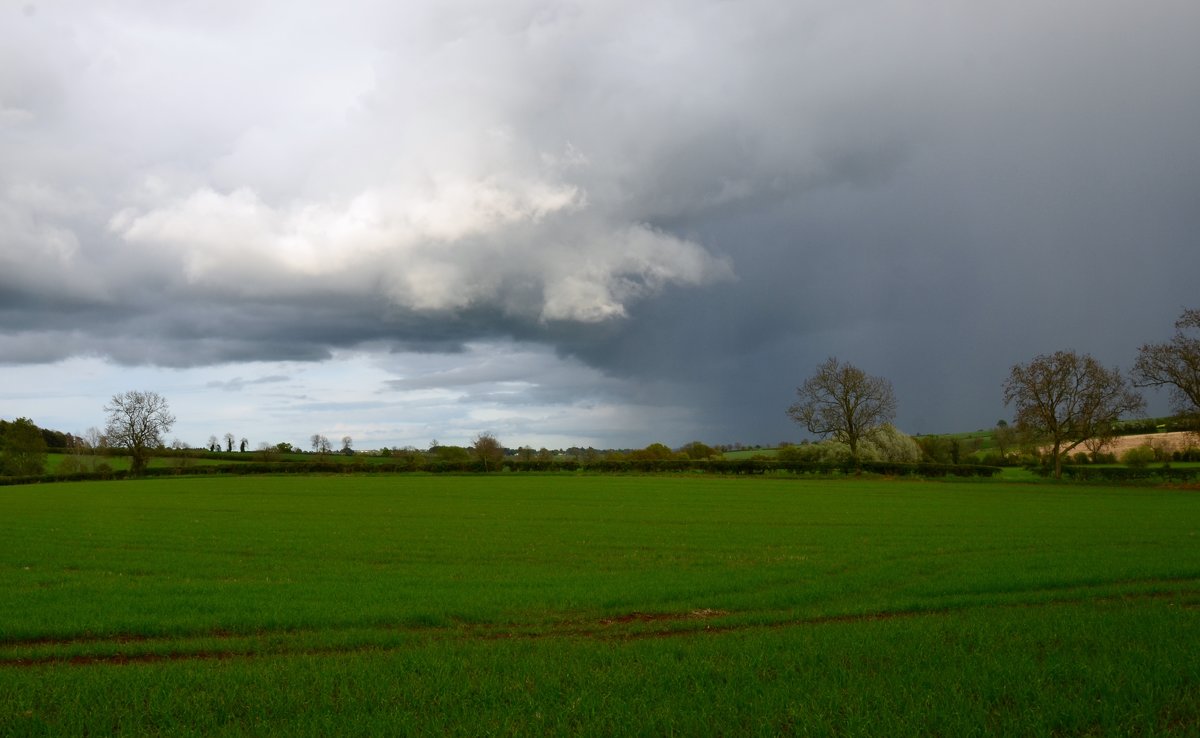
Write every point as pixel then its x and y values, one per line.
pixel 1061 400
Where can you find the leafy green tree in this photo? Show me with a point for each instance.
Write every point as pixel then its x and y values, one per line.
pixel 653 452
pixel 24 449
pixel 449 454
pixel 488 450
pixel 698 450
pixel 936 449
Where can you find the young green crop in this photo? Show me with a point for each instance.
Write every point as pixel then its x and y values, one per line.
pixel 597 605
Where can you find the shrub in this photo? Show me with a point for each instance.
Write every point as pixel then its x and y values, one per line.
pixel 1138 456
pixel 993 458
pixel 71 464
pixel 890 444
pixel 698 450
pixel 654 452
pixel 1188 454
pixel 802 453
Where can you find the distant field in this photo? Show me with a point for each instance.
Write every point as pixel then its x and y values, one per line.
pixel 55 460
pixel 1168 441
pixel 517 604
pixel 748 453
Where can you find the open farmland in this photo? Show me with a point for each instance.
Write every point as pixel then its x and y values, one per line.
pixel 512 604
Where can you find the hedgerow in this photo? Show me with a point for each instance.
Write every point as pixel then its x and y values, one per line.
pixel 599 466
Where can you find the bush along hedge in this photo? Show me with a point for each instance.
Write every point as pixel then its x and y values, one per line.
pixel 1128 473
pixel 68 477
pixel 750 466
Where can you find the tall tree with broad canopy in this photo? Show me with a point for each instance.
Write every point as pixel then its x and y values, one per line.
pixel 22 449
pixel 137 422
pixel 843 401
pixel 488 450
pixel 1066 399
pixel 1175 364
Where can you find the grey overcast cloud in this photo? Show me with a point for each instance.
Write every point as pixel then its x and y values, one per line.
pixel 582 223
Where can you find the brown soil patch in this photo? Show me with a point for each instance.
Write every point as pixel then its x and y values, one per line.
pixel 648 617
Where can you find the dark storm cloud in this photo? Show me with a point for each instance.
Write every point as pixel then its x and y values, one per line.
pixel 699 201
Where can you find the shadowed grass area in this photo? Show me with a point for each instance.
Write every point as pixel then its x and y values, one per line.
pixel 598 605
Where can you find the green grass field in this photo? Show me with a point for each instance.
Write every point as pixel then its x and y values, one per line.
pixel 594 605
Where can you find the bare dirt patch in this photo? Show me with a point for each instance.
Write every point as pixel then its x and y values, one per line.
pixel 657 617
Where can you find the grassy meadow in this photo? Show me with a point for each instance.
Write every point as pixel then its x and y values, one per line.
pixel 597 605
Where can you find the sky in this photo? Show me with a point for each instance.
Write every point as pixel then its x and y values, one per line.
pixel 582 223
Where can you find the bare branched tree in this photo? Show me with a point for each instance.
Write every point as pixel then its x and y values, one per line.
pixel 1067 398
pixel 320 444
pixel 842 401
pixel 137 422
pixel 1175 364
